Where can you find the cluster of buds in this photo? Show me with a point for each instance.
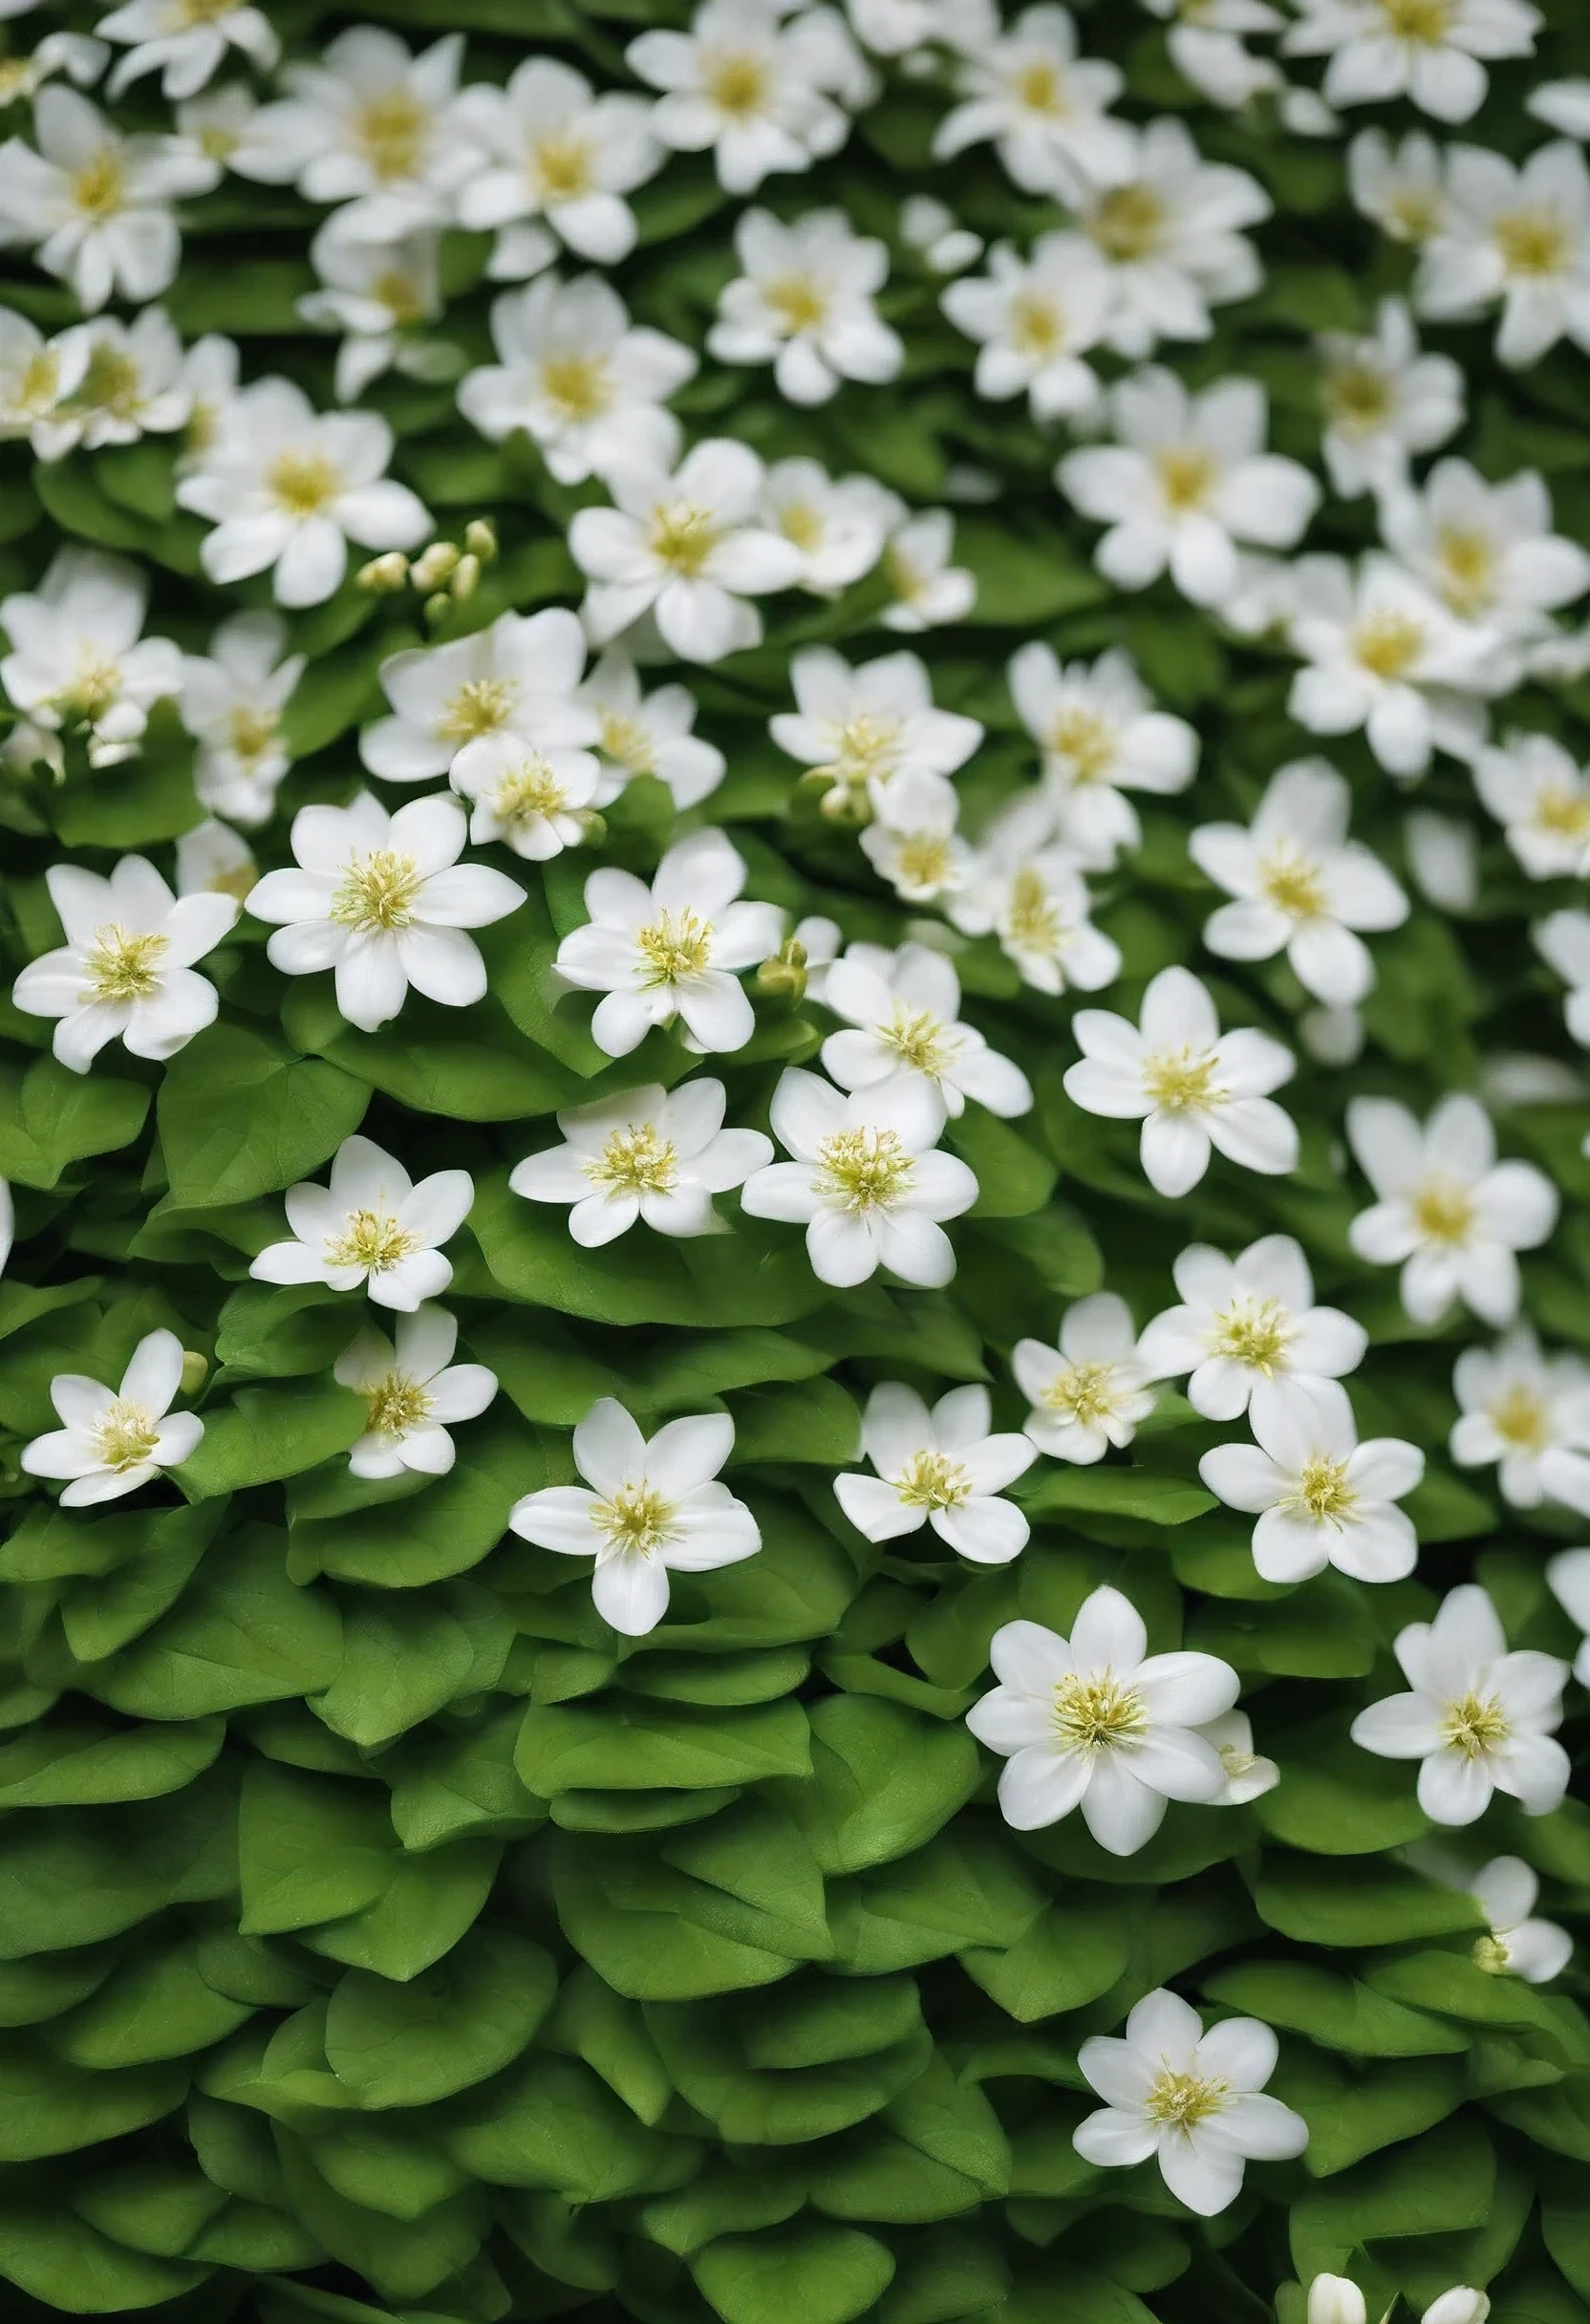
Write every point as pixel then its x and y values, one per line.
pixel 842 795
pixel 445 574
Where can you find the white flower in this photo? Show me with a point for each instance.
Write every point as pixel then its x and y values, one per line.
pixel 574 375
pixel 1247 1320
pixel 1461 2304
pixel 900 1011
pixel 37 380
pixel 1518 1946
pixel 1090 1394
pixel 369 125
pixel 1563 942
pixel 383 901
pixel 1191 2098
pixel 1171 235
pixel 231 702
pixel 1045 109
pixel 839 527
pixel 372 1226
pixel 928 228
pixel 412 1390
pixel 687 549
pixel 125 972
pixel 288 488
pixel 929 591
pixel 1561 105
pixel 650 734
pixel 1248 1774
pixel 1487 551
pixel 865 1182
pixel 803 303
pixel 1384 654
pixel 1322 1499
pixel 855 727
pixel 942 1468
pixel 214 859
pixel 98 204
pixel 753 82
pixel 1300 884
pixel 113 1440
pixel 1402 187
pixel 1443 856
pixel 1541 797
pixel 1480 1719
pixel 1095 1721
pixel 185 41
pixel 673 950
pixel 1521 236
pixel 1034 319
pixel 1383 49
pixel 1100 735
pixel 1383 402
pixel 547 147
pixel 475 709
pixel 1569 1576
pixel 1185 480
pixel 215 120
pixel 78 55
pixel 78 659
pixel 1034 901
pixel 1189 1085
pixel 375 293
pixel 210 368
pixel 912 842
pixel 652 1154
pixel 656 1509
pixel 131 381
pixel 1447 1212
pixel 1335 2299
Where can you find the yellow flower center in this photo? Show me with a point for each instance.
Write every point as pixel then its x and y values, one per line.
pixel 865 746
pixel 924 861
pixel 1323 1492
pixel 1443 1211
pixel 16 73
pixel 204 425
pixel 1521 1418
pixel 1182 1080
pixel 38 388
pixel 99 187
pixel 1041 87
pixel 637 1521
pixel 372 1239
pixel 237 880
pixel 627 743
pixel 376 892
pixel 1425 21
pixel 1387 645
pixel 564 168
pixel 800 303
pixel 302 483
pixel 252 732
pixel 111 383
pixel 1475 1725
pixel 400 294
pixel 1179 2101
pixel 1291 883
pixel 1097 1712
pixel 1255 1332
pixel 1186 477
pixel 684 537
pixel 864 1169
pixel 1085 1392
pixel 392 130
pixel 1236 1762
pixel 1413 213
pixel 1467 569
pixel 205 11
pixel 737 82
pixel 635 1161
pixel 1534 241
pixel 1358 398
pixel 918 1039
pixel 480 706
pixel 1490 1954
pixel 1037 325
pixel 933 1480
pixel 799 521
pixel 124 1435
pixel 92 690
pixel 1084 740
pixel 1129 222
pixel 531 791
pixel 1032 920
pixel 396 1405
pixel 1562 811
pixel 120 966
pixel 673 946
pixel 579 386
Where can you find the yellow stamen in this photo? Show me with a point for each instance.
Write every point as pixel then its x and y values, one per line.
pixel 1387 645
pixel 579 386
pixel 378 891
pixel 392 129
pixel 1182 1080
pixel 396 1405
pixel 1129 222
pixel 674 945
pixel 302 483
pixel 121 967
pixel 637 1521
pixel 635 1161
pixel 1475 1726
pixel 864 1169
pixel 124 1435
pixel 372 1239
pixel 1096 1713
pixel 932 1481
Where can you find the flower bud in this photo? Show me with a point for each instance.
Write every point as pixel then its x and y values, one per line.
pixel 593 827
pixel 383 574
pixel 785 972
pixel 1334 2299
pixel 435 567
pixel 480 538
pixel 1490 1954
pixel 1462 2305
pixel 437 607
pixel 196 1371
pixel 466 578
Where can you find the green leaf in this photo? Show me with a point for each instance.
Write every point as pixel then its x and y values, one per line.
pixel 448 1527
pixel 82 1766
pixel 51 1118
pixel 1014 1179
pixel 884 1780
pixel 51 2253
pixel 269 1433
pixel 157 2004
pixel 1068 1956
pixel 1335 1799
pixel 466 1783
pixel 651 1932
pixel 551 2124
pixel 239 1116
pixel 1381 1906
pixel 411 2045
pixel 310 1849
pixel 48 2107
pixel 823 2274
pixel 425 1908
pixel 241 1634
pixel 1338 2012
pixel 623 1746
pixel 81 1875
pixel 401 1661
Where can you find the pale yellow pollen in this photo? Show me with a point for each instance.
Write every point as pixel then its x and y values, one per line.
pixel 933 1480
pixel 1182 1080
pixel 1036 324
pixel 579 386
pixel 1468 562
pixel 1475 1726
pixel 924 861
pixel 1041 87
pixel 635 1161
pixel 1084 740
pixel 1129 222
pixel 396 1405
pixel 564 168
pixel 637 1521
pixel 1255 1332
pixel 111 383
pixel 39 386
pixel 737 82
pixel 1534 241
pixel 122 966
pixel 93 688
pixel 798 300
pixel 1085 1392
pixel 480 706
pixel 918 1039
pixel 626 742
pixel 864 1169
pixel 1186 477
pixel 673 946
pixel 1032 918
pixel 1521 1418
pixel 205 11
pixel 99 187
pixel 17 75
pixel 1443 1211
pixel 1323 1493
pixel 400 294
pixel 376 892
pixel 1413 213
pixel 1236 1762
pixel 1491 1954
pixel 124 1435
pixel 237 879
pixel 1427 22
pixel 204 425
pixel 372 1239
pixel 531 790
pixel 392 129
pixel 799 521
pixel 684 537
pixel 1388 644
pixel 1358 396
pixel 1180 2102
pixel 1561 812
pixel 1291 883
pixel 302 483
pixel 252 732
pixel 1097 1712
pixel 864 747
